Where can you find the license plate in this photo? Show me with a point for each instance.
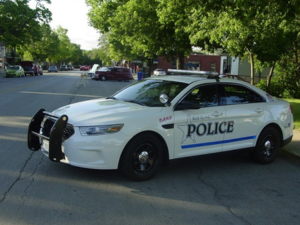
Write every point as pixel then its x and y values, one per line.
pixel 45 145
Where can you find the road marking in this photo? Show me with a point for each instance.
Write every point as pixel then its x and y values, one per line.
pixel 22 86
pixel 60 94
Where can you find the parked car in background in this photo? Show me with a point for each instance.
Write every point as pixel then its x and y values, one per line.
pixel 28 67
pixel 63 68
pixel 52 69
pixel 159 72
pixel 38 70
pixel 113 73
pixel 70 67
pixel 15 71
pixel 84 67
pixel 92 71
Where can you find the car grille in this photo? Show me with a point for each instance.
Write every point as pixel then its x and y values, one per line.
pixel 48 124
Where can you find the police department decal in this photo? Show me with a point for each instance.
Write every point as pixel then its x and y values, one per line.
pixel 193 131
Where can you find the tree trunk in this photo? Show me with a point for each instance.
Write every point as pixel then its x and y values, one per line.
pixel 180 61
pixel 270 76
pixel 252 68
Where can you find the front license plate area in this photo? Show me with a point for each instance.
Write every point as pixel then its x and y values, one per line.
pixel 45 146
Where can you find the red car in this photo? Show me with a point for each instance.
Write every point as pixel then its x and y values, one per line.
pixel 84 67
pixel 113 73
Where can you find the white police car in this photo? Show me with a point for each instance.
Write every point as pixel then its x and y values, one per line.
pixel 160 119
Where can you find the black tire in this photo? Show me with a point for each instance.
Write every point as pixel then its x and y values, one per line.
pixel 142 157
pixel 103 78
pixel 267 146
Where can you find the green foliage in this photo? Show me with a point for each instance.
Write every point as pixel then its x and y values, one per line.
pixel 45 48
pixel 289 75
pixel 295 103
pixel 134 29
pixel 276 89
pixel 19 23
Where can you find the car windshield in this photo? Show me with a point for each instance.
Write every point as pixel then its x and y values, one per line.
pixel 147 92
pixel 14 68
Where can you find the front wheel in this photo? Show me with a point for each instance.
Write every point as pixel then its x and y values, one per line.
pixel 142 157
pixel 267 146
pixel 103 78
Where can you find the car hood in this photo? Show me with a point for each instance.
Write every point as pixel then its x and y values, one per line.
pixel 102 111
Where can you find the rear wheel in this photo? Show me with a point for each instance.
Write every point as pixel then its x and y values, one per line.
pixel 103 78
pixel 142 157
pixel 267 146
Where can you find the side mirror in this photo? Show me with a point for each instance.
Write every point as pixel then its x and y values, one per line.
pixel 164 99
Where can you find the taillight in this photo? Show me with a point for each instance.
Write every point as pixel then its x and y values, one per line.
pixel 291 108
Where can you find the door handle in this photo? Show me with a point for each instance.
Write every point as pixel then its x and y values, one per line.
pixel 217 114
pixel 258 110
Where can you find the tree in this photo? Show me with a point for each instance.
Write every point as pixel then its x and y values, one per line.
pixel 63 52
pixel 134 29
pixel 20 24
pixel 46 47
pixel 251 29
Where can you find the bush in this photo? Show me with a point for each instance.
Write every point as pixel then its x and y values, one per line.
pixel 275 88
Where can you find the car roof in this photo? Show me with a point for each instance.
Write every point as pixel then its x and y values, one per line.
pixel 202 77
pixel 179 78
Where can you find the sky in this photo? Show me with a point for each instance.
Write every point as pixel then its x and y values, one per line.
pixel 72 15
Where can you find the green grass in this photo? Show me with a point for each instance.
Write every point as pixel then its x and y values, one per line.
pixel 295 103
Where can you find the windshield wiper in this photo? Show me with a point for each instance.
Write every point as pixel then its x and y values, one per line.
pixel 136 102
pixel 112 98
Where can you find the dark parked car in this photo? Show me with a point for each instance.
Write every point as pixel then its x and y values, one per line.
pixel 28 67
pixel 113 73
pixel 52 69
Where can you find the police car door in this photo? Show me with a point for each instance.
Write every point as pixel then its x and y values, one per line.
pixel 245 112
pixel 199 131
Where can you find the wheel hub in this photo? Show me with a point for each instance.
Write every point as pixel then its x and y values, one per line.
pixel 143 157
pixel 267 148
pixel 267 145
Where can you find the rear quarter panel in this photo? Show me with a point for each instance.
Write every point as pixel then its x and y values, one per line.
pixel 279 112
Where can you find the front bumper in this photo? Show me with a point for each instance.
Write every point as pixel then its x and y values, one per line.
pixel 54 136
pixel 62 142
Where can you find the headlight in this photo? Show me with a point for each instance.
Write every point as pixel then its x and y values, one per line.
pixel 99 130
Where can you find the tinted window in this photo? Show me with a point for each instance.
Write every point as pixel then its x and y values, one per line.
pixel 234 94
pixel 206 96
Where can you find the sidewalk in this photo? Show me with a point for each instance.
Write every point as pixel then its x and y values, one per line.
pixel 293 148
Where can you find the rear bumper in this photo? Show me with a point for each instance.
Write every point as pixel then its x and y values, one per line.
pixel 286 141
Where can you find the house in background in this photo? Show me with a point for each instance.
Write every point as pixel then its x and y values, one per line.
pixel 223 64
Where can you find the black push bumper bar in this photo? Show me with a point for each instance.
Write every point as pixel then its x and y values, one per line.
pixel 55 138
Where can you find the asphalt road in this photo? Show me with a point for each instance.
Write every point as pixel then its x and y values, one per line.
pixel 223 189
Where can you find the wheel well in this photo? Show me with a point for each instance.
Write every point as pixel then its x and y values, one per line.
pixel 162 141
pixel 275 126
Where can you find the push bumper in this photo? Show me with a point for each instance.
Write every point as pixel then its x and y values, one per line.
pixel 34 138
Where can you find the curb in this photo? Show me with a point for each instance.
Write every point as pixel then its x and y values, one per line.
pixel 293 148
